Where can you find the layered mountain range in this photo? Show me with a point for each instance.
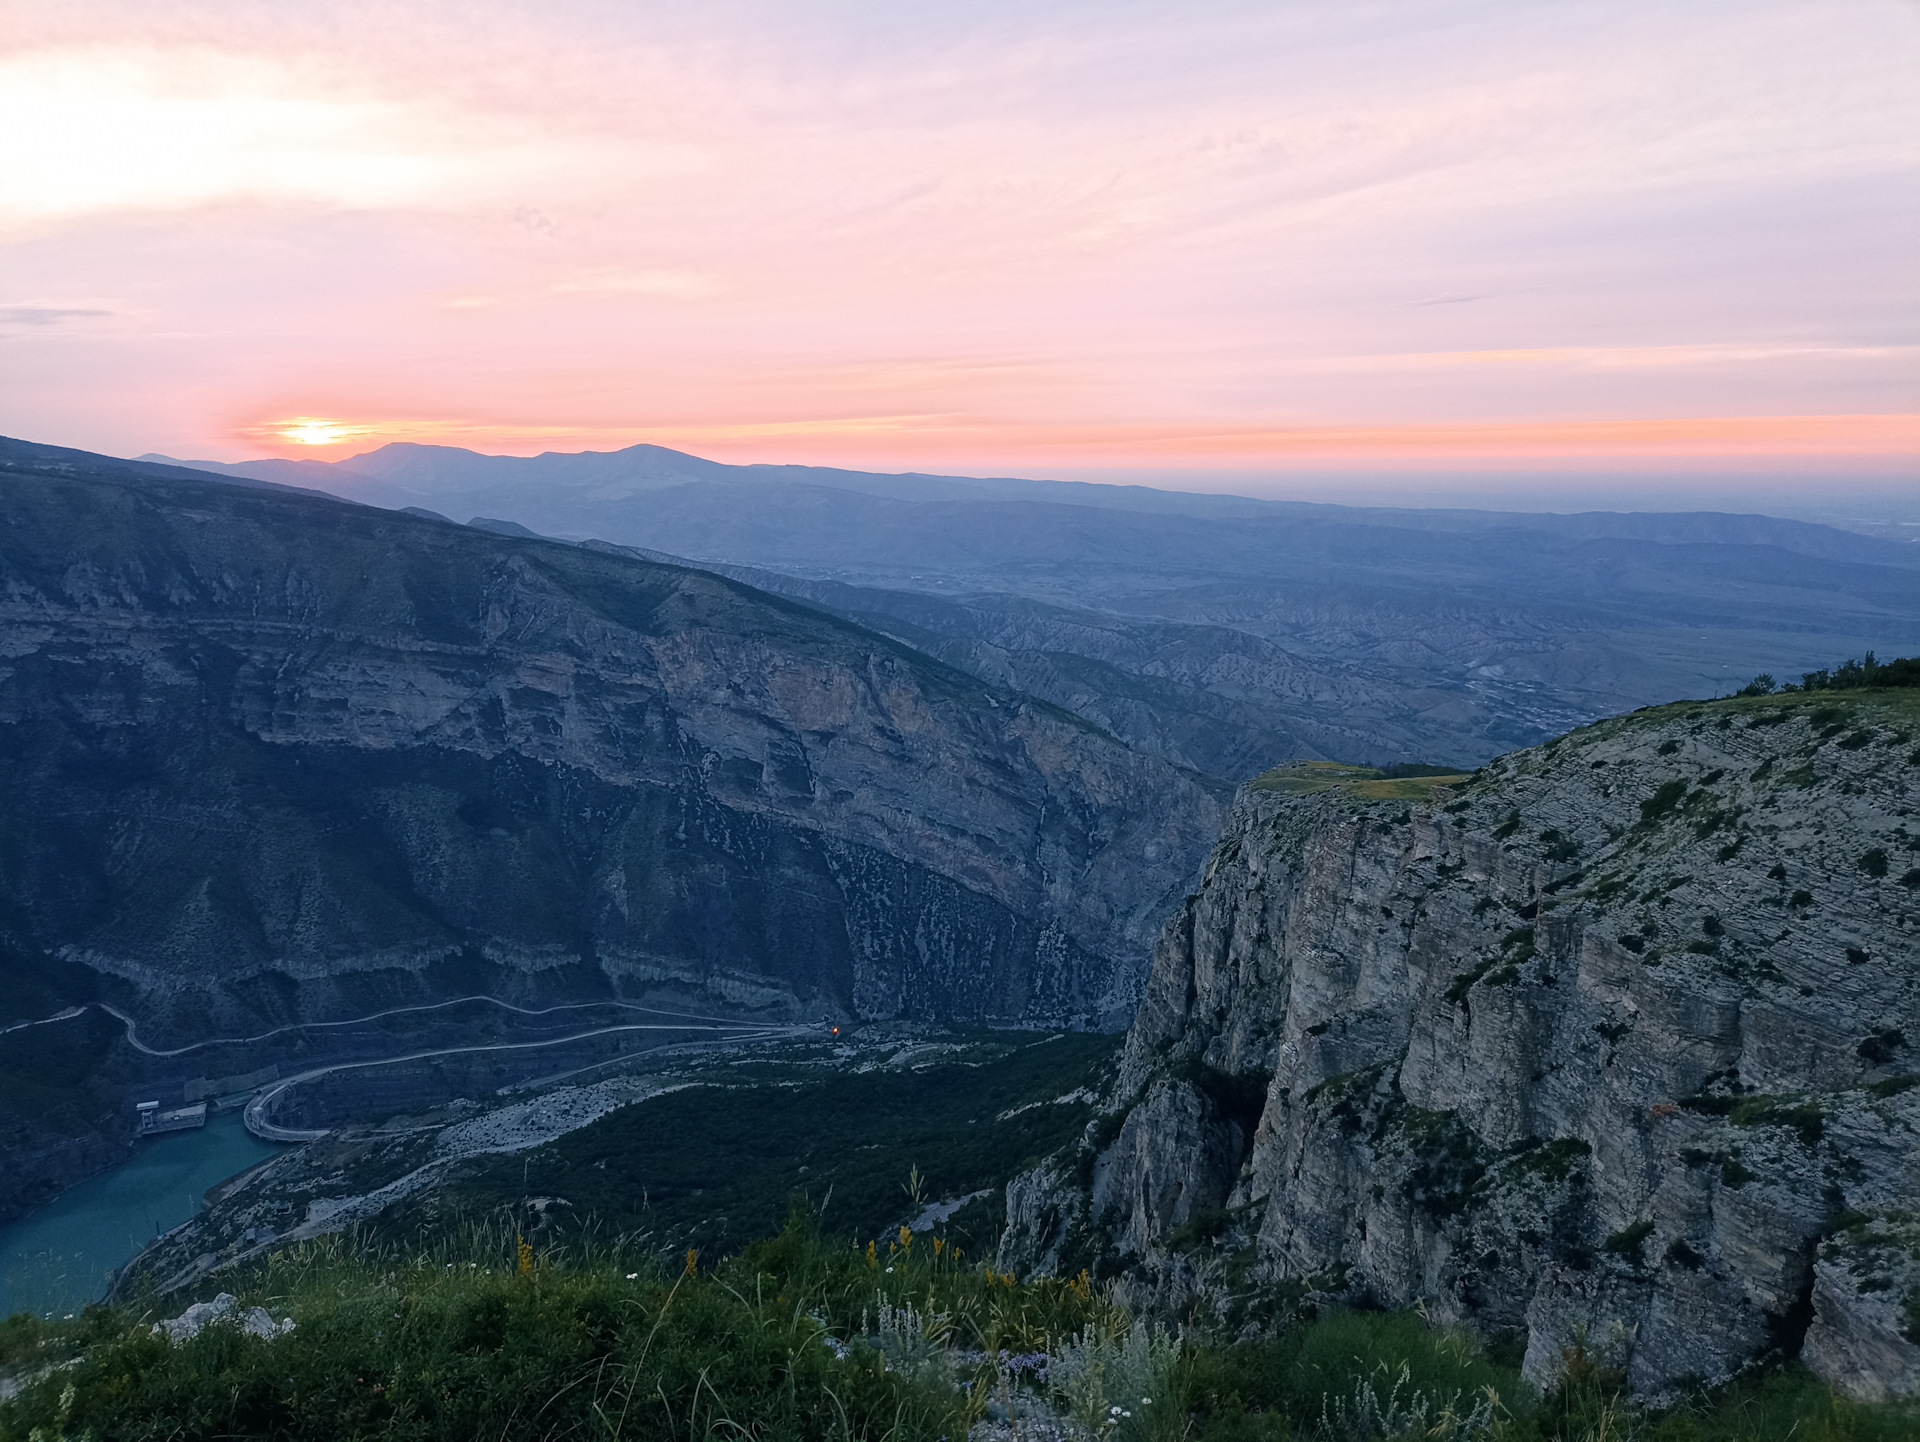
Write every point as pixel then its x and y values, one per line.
pixel 1221 632
pixel 1613 1048
pixel 275 759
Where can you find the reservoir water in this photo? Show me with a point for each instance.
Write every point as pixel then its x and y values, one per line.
pixel 62 1257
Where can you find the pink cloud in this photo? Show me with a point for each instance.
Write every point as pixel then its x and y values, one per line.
pixel 863 234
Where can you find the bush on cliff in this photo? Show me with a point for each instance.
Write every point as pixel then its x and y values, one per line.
pixel 1860 675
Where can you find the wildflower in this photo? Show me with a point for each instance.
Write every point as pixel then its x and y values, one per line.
pixel 693 1261
pixel 889 1271
pixel 939 1243
pixel 906 1238
pixel 873 1255
pixel 525 1252
pixel 633 1276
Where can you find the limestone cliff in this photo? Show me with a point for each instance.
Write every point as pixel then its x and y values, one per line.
pixel 1616 1044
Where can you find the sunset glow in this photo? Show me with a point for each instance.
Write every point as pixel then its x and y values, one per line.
pixel 988 238
pixel 312 431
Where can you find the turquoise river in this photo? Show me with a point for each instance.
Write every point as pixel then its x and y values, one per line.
pixel 61 1257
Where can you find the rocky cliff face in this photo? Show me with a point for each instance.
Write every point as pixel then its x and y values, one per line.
pixel 1616 1045
pixel 273 759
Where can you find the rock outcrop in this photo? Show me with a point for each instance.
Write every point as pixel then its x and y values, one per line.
pixel 1614 1046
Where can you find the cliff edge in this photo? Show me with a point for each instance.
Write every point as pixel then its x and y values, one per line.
pixel 1614 1045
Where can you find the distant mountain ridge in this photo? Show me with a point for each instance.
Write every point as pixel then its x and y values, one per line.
pixel 1224 633
pixel 615 475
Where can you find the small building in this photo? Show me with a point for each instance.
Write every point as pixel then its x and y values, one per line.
pixel 181 1119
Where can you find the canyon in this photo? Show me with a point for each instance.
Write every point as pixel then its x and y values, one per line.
pixel 276 760
pixel 1610 1047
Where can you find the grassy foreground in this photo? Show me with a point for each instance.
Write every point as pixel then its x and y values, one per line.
pixel 802 1337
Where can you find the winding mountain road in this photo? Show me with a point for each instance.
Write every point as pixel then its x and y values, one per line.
pixel 256 1114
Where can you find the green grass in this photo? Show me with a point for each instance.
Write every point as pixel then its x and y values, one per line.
pixel 472 1339
pixel 1279 1386
pixel 1284 1388
pixel 464 1341
pixel 1307 778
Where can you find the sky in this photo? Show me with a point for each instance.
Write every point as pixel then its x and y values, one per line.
pixel 1485 236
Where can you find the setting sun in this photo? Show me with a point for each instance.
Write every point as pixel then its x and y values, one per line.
pixel 313 431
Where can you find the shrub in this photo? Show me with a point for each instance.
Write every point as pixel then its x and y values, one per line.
pixel 1803 1117
pixel 1858 675
pixel 1628 1241
pixel 1365 1416
pixel 1296 1377
pixel 1878 1049
pixel 1120 1378
pixel 1665 799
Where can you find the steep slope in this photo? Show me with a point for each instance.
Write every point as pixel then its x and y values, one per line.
pixel 1223 702
pixel 272 758
pixel 1616 1045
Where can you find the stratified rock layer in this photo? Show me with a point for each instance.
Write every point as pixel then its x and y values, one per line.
pixel 1615 1046
pixel 274 758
